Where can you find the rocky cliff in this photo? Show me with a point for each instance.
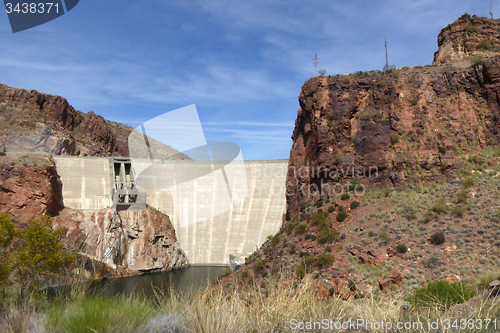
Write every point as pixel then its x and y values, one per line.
pixel 135 241
pixel 36 122
pixel 126 242
pixel 388 128
pixel 29 187
pixel 467 37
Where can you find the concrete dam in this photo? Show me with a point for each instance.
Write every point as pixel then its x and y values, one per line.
pixel 211 233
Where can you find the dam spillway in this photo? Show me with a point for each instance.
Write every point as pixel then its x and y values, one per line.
pixel 88 184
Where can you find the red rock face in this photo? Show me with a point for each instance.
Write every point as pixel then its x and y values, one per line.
pixel 97 138
pixel 386 129
pixel 56 107
pixel 29 188
pixel 466 37
pixel 134 241
pixel 34 121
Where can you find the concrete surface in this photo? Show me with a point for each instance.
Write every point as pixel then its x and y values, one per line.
pixel 237 231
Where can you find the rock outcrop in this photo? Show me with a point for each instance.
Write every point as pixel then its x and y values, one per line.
pixel 126 242
pixel 37 122
pixel 466 37
pixel 29 187
pixel 385 129
pixel 136 240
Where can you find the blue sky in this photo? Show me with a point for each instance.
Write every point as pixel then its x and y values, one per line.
pixel 242 63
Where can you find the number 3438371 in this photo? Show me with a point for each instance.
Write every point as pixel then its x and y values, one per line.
pixel 32 8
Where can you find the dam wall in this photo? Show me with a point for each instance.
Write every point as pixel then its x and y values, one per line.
pixel 239 230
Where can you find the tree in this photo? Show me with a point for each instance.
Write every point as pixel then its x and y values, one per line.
pixel 7 234
pixel 30 253
pixel 322 72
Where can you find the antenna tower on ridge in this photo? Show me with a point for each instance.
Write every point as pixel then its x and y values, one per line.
pixel 316 65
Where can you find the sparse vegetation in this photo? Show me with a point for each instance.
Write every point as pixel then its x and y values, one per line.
pixel 341 216
pixel 438 238
pixel 441 294
pixel 354 204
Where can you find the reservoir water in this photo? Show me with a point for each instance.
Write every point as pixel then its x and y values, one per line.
pixel 182 281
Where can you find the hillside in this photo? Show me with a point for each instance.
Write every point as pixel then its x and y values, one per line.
pixel 417 151
pixel 31 121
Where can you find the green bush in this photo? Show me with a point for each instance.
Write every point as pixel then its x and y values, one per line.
pixel 324 260
pixel 301 229
pixel 310 236
pixel 441 294
pixel 2 153
pixel 483 282
pixel 477 60
pixel 442 150
pixel 439 207
pixel 462 197
pixel 395 138
pixel 438 238
pixel 275 240
pixel 354 204
pixel 386 192
pixel 345 196
pixel 337 159
pixel 414 101
pixel 468 182
pixel 327 235
pixel 301 272
pixel 341 216
pixel 331 209
pixel 318 218
pixel 458 211
pixel 401 248
pixel 258 266
pixel 484 45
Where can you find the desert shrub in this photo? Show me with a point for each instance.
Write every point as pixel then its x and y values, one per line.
pixel 438 238
pixel 354 204
pixel 318 218
pixel 458 211
pixel 484 45
pixel 337 159
pixel 402 248
pixel 2 153
pixel 289 228
pixel 462 197
pixel 324 260
pixel 414 101
pixel 331 209
pixel 246 278
pixel 258 266
pixel 431 262
pixel 301 229
pixel 442 150
pixel 439 207
pixel 483 282
pixel 328 249
pixel 301 272
pixel 386 192
pixel 477 60
pixel 275 240
pixel 468 182
pixel 310 237
pixel 395 138
pixel 341 208
pixel 327 235
pixel 441 294
pixel 345 196
pixel 341 216
pixel 353 184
